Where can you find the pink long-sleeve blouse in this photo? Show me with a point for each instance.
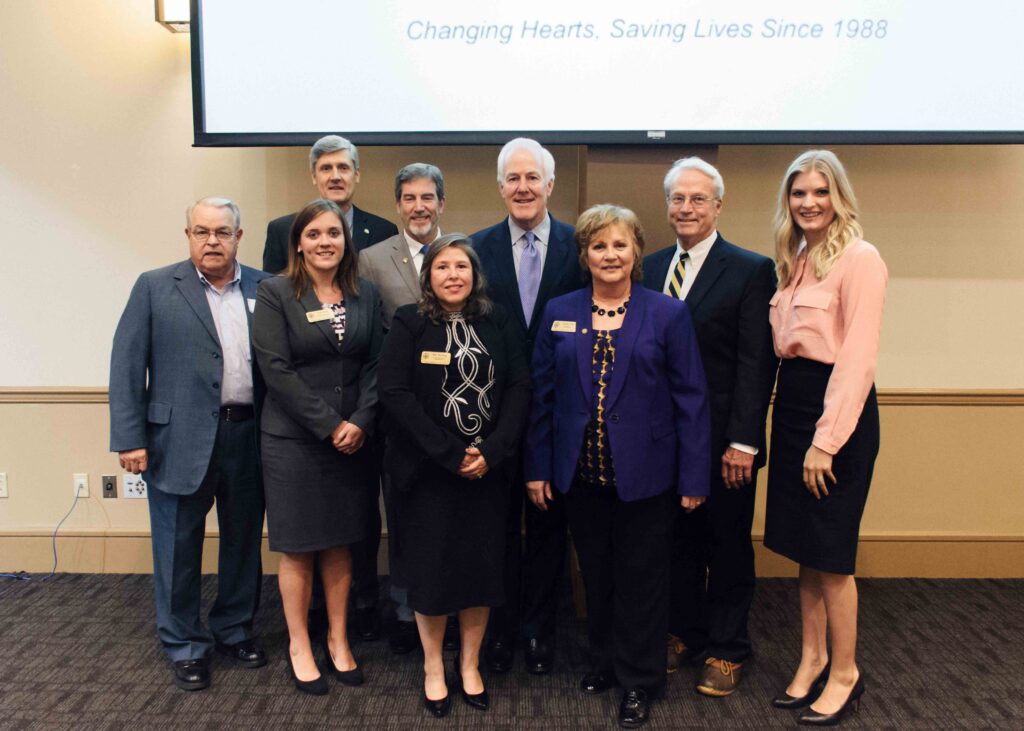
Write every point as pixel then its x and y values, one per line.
pixel 835 320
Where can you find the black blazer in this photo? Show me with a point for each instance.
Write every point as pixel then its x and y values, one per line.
pixel 313 382
pixel 729 306
pixel 367 229
pixel 561 274
pixel 410 396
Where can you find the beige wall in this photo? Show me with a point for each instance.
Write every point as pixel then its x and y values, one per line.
pixel 96 168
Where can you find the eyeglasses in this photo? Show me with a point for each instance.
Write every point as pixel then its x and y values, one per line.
pixel 223 235
pixel 697 201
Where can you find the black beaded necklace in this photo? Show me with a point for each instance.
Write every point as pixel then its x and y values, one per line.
pixel 611 312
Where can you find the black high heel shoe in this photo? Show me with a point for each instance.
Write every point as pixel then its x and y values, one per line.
pixel 351 678
pixel 480 701
pixel 316 686
pixel 438 708
pixel 810 717
pixel 793 703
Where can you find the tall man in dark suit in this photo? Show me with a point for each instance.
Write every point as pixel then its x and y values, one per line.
pixel 394 268
pixel 527 259
pixel 727 289
pixel 183 401
pixel 334 165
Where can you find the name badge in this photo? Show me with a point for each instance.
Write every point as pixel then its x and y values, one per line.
pixel 563 326
pixel 430 357
pixel 319 315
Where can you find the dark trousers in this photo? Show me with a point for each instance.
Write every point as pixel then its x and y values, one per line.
pixel 178 524
pixel 365 584
pixel 623 551
pixel 712 585
pixel 534 567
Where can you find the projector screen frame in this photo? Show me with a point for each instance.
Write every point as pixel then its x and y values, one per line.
pixel 655 138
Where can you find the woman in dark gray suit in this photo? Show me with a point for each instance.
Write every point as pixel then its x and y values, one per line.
pixel 317 335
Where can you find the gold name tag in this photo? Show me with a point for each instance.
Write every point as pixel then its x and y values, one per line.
pixel 431 358
pixel 318 315
pixel 563 326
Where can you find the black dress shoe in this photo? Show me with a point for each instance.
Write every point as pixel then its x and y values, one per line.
pixel 635 709
pixel 192 674
pixel 316 686
pixel 480 701
pixel 366 623
pixel 404 638
pixel 451 634
pixel 498 655
pixel 596 683
pixel 351 677
pixel 246 653
pixel 811 717
pixel 789 702
pixel 438 709
pixel 537 656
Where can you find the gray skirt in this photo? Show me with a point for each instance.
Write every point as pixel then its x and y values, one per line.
pixel 317 497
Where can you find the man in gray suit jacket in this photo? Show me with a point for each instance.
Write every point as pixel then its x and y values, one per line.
pixel 183 402
pixel 393 266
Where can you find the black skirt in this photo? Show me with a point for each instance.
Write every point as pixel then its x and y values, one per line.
pixel 317 497
pixel 820 534
pixel 448 540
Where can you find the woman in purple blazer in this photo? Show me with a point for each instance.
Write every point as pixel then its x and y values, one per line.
pixel 620 425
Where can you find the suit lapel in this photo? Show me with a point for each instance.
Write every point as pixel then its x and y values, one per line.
pixel 506 265
pixel 560 251
pixel 584 343
pixel 712 268
pixel 403 263
pixel 192 290
pixel 631 326
pixel 310 303
pixel 360 231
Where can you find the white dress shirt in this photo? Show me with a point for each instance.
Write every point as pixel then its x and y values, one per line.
pixel 542 234
pixel 227 306
pixel 416 249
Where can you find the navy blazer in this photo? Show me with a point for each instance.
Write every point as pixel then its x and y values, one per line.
pixel 729 306
pixel 165 374
pixel 367 230
pixel 313 381
pixel 656 408
pixel 561 272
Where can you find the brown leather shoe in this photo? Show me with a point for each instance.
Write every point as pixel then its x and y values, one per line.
pixel 678 653
pixel 719 678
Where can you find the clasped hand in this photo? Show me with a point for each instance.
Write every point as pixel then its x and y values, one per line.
pixel 817 467
pixel 473 466
pixel 347 438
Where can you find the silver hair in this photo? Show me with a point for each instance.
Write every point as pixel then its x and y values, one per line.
pixel 214 202
pixel 694 163
pixel 540 154
pixel 327 145
pixel 415 171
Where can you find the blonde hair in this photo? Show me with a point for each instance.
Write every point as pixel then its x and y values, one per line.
pixel 843 230
pixel 597 218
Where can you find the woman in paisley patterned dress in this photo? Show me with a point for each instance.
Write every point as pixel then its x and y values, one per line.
pixel 455 390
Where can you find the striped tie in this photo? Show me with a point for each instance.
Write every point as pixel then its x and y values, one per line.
pixel 675 284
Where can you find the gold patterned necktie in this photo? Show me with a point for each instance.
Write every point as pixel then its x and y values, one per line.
pixel 675 284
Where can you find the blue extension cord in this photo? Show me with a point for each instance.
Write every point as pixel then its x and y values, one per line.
pixel 21 575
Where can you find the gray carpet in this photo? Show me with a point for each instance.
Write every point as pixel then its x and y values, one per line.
pixel 80 652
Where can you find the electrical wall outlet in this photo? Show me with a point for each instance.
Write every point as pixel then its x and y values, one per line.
pixel 80 483
pixel 135 486
pixel 109 483
pixel 3 484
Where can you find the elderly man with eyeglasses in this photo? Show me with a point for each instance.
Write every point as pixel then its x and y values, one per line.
pixel 727 290
pixel 184 396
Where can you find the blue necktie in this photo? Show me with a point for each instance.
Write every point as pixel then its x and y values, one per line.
pixel 424 249
pixel 529 275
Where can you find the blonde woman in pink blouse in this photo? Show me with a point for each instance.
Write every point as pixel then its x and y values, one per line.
pixel 826 318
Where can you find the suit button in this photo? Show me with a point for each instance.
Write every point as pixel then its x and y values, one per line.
pixel 613 418
pixel 216 356
pixel 215 414
pixel 337 389
pixel 216 385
